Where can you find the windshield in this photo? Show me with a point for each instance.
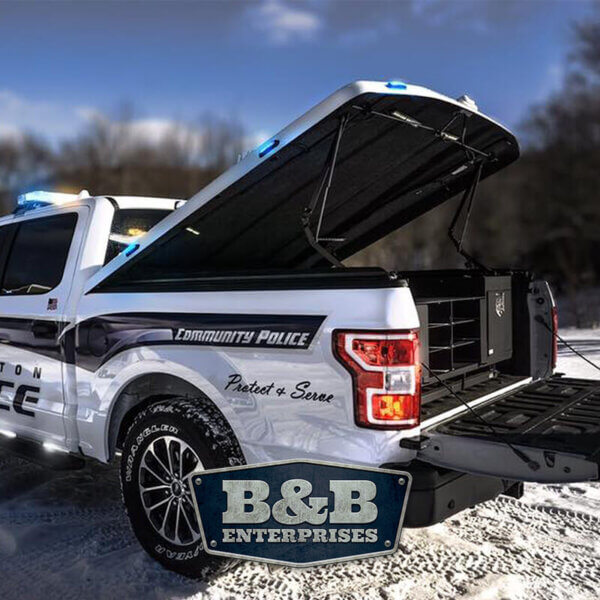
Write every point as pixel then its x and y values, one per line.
pixel 128 225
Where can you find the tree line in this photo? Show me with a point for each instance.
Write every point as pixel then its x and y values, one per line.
pixel 112 156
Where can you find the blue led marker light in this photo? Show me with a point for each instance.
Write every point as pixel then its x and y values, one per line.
pixel 267 147
pixel 396 85
pixel 131 249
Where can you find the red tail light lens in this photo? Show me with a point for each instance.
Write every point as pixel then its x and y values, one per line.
pixel 554 337
pixel 384 353
pixel 386 374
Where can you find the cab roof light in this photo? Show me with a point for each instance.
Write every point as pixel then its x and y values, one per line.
pixel 395 85
pixel 267 147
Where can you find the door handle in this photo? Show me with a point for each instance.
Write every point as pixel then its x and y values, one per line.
pixel 44 329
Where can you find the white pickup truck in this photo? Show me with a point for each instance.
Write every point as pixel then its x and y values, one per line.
pixel 226 330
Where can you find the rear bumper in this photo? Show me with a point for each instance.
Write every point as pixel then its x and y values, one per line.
pixel 436 493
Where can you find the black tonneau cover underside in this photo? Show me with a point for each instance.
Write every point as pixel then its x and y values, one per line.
pixel 387 174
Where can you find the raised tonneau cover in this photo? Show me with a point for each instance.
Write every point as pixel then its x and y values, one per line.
pixel 404 150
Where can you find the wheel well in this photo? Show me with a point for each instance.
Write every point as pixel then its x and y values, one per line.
pixel 138 394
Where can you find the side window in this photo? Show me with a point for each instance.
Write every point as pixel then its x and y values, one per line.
pixel 128 225
pixel 38 255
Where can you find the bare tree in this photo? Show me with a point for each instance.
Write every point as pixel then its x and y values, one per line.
pixel 25 161
pixel 116 156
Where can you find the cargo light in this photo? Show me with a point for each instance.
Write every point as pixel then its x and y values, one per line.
pixel 386 376
pixel 396 85
pixel 267 147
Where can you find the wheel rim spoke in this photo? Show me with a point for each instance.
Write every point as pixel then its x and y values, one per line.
pixel 177 520
pixel 158 459
pixel 193 468
pixel 165 518
pixel 157 487
pixel 155 506
pixel 187 520
pixel 154 474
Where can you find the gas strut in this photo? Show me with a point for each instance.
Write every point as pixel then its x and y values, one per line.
pixel 323 189
pixel 466 203
pixel 474 156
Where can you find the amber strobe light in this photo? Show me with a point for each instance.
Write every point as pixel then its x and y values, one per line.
pixel 386 376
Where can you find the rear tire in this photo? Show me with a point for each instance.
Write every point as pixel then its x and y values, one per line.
pixel 167 441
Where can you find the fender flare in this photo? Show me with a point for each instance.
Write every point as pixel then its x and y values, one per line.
pixel 143 390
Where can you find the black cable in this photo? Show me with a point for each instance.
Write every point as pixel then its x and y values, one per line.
pixel 532 464
pixel 541 320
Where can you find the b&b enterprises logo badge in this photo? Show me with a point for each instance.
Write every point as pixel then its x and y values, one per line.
pixel 300 512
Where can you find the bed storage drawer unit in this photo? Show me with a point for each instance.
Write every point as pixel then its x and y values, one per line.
pixel 466 321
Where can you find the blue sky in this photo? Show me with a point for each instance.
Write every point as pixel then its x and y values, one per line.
pixel 267 61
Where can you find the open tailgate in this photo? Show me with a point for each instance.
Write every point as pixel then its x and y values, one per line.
pixel 553 424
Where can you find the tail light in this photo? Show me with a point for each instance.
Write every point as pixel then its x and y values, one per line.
pixel 554 337
pixel 386 376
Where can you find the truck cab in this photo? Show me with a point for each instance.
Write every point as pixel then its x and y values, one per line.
pixel 49 247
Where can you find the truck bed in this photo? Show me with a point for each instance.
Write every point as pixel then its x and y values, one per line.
pixel 442 402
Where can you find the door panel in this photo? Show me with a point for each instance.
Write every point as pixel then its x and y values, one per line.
pixel 37 279
pixel 553 426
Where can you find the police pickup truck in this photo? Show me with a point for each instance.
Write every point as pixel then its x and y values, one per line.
pixel 226 329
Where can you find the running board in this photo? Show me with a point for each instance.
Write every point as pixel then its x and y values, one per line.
pixel 35 452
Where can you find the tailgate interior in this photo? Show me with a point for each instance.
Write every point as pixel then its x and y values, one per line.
pixel 554 423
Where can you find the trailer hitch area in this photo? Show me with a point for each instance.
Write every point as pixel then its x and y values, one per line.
pixel 415 443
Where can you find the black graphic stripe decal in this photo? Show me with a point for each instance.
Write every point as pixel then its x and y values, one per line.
pixel 101 338
pixel 35 335
pixel 94 341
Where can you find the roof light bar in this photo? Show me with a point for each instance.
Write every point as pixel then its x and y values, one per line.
pixel 40 198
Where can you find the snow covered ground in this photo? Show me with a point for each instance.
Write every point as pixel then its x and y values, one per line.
pixel 64 535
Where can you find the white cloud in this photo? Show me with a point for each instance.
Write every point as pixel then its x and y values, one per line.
pixel 153 131
pixel 283 23
pixel 19 114
pixel 57 122
pixel 10 132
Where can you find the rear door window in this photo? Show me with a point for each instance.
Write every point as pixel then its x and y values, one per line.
pixel 128 225
pixel 38 255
